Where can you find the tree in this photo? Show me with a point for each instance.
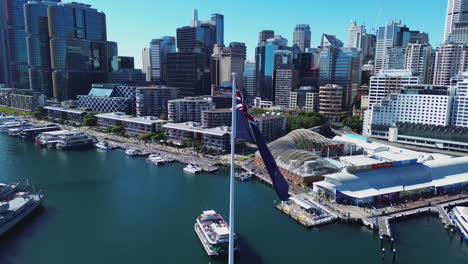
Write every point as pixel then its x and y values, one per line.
pixel 305 120
pixel 90 120
pixel 353 122
pixel 118 130
pixel 256 111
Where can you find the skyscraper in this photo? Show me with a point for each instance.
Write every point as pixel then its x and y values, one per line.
pixel 265 66
pixel 340 66
pixel 228 60
pixel 218 20
pixel 146 63
pixel 3 47
pixel 285 78
pixel 188 71
pixel 159 48
pixel 450 59
pixel 395 58
pixel 249 81
pixel 394 35
pixel 38 47
pixel 330 40
pixel 78 48
pixel 457 12
pixel 356 35
pixel 302 36
pixel 13 34
pixel 418 59
pixel 265 35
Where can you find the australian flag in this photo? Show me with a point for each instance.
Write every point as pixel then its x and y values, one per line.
pixel 247 129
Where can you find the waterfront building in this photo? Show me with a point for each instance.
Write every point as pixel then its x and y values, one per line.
pixel 38 46
pixel 305 98
pixel 188 109
pixel 302 37
pixel 265 66
pixel 131 125
pixel 450 59
pixel 272 125
pixel 226 61
pixel 418 59
pixel 158 51
pixel 249 81
pixel 21 99
pixel 109 98
pixel 213 138
pixel 78 49
pixel 382 183
pixel 216 118
pixel 298 156
pixel 457 12
pixel 60 114
pixel 153 101
pixel 265 35
pixel 395 35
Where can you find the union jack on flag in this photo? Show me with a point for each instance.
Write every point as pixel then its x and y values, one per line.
pixel 248 129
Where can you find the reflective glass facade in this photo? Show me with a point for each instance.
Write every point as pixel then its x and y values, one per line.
pixel 78 45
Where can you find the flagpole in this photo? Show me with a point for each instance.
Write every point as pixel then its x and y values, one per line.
pixel 233 163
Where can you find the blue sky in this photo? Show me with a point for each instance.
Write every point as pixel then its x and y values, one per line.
pixel 134 23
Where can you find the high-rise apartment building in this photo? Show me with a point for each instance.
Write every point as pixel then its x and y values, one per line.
pixel 159 48
pixel 38 47
pixel 460 105
pixel 226 61
pixel 265 35
pixel 450 59
pixel 78 48
pixel 302 37
pixel 419 59
pixel 153 100
pixel 457 12
pixel 395 58
pixel 189 109
pixel 332 99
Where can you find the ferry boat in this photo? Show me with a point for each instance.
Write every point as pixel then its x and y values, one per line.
pixel 133 152
pixel 156 159
pixel 190 168
pixel 104 145
pixel 16 209
pixel 213 233
pixel 75 140
pixel 50 139
pixel 5 127
pixel 7 190
pixel 459 216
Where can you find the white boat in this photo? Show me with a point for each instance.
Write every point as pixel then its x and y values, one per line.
pixel 4 119
pixel 75 140
pixel 156 159
pixel 16 209
pixel 190 168
pixel 104 145
pixel 7 190
pixel 243 176
pixel 459 216
pixel 5 127
pixel 213 233
pixel 133 152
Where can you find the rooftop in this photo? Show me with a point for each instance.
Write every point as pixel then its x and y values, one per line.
pixel 148 120
pixel 68 110
pixel 359 160
pixel 196 128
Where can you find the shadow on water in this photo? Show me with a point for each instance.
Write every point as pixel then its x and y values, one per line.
pixel 247 253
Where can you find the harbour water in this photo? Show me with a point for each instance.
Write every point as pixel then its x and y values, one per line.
pixel 106 207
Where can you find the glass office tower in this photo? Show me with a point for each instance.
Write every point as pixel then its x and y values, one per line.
pixel 78 49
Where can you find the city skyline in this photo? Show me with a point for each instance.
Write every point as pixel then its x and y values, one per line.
pixel 134 27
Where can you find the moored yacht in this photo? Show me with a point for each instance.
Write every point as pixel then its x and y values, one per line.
pixel 191 168
pixel 5 127
pixel 133 152
pixel 7 190
pixel 156 159
pixel 16 209
pixel 459 216
pixel 104 145
pixel 75 140
pixel 213 233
